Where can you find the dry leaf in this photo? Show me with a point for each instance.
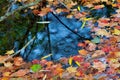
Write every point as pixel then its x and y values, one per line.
pixel 99 65
pixel 6 74
pixel 10 52
pixel 116 32
pixel 8 64
pixel 98 53
pixel 72 69
pixel 83 52
pixel 18 61
pixel 20 73
pixel 102 32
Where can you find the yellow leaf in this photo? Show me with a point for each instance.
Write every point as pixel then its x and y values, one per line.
pixel 10 52
pixel 79 8
pixel 77 63
pixel 70 60
pixel 72 69
pixel 116 32
pixel 6 74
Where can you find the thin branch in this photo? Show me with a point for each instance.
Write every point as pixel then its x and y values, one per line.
pixel 20 8
pixel 18 50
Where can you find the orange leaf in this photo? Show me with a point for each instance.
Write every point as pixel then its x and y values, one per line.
pixel 6 74
pixel 83 52
pixel 18 61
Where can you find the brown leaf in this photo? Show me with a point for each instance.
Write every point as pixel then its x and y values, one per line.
pixel 8 64
pixel 18 61
pixel 19 73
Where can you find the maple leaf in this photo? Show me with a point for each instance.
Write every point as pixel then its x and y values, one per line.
pixel 72 69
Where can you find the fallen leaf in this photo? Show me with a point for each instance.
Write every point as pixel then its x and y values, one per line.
pixel 99 65
pixel 70 61
pixel 10 52
pixel 20 73
pixel 102 32
pixel 72 69
pixel 36 67
pixel 116 32
pixel 98 53
pixel 83 52
pixel 91 47
pixel 6 74
pixel 8 64
pixel 18 61
pixel 96 40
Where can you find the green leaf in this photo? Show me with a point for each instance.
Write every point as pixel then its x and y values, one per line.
pixel 36 67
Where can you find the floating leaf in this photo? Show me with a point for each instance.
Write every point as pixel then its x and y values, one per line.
pixel 36 67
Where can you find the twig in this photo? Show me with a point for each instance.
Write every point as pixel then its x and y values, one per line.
pixel 18 50
pixel 20 8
